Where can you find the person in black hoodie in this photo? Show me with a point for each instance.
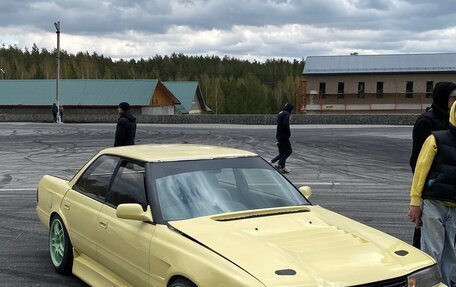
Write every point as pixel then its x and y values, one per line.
pixel 434 118
pixel 126 126
pixel 283 137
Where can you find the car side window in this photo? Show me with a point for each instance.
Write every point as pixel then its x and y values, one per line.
pixel 96 179
pixel 128 185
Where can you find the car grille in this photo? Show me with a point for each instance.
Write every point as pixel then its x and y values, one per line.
pixel 396 282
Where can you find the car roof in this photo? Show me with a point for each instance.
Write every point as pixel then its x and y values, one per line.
pixel 175 152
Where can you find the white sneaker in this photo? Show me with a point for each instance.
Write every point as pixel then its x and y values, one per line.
pixel 286 170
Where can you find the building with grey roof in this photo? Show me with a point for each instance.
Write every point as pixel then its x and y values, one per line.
pixel 373 83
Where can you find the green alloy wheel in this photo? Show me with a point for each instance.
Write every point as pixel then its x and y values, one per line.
pixel 60 247
pixel 182 282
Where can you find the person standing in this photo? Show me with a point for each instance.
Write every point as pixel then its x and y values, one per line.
pixel 434 118
pixel 283 138
pixel 126 126
pixel 61 113
pixel 433 198
pixel 54 111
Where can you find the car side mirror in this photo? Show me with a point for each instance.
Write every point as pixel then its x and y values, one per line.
pixel 306 191
pixel 133 211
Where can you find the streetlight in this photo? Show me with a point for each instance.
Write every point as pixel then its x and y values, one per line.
pixel 57 28
pixel 4 74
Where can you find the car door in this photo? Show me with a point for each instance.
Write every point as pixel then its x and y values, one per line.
pixel 123 245
pixel 83 203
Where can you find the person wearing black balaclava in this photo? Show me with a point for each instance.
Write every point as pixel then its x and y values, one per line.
pixel 126 126
pixel 283 138
pixel 434 118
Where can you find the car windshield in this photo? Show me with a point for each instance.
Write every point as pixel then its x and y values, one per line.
pixel 206 187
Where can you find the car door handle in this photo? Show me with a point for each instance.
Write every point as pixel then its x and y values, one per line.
pixel 103 224
pixel 66 205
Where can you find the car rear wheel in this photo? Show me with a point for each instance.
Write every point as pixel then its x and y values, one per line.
pixel 60 247
pixel 182 282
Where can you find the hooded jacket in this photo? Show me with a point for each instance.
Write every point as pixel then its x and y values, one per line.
pixel 430 163
pixel 126 129
pixel 283 122
pixel 433 119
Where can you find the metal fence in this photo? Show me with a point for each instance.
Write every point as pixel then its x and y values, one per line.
pixel 367 102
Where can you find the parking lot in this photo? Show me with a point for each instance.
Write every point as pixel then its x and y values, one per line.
pixel 359 171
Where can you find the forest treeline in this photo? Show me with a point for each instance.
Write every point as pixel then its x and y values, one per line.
pixel 229 85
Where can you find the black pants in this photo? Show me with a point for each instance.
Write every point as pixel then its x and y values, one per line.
pixel 417 238
pixel 284 151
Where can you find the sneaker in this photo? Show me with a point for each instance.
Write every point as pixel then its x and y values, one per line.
pixel 286 170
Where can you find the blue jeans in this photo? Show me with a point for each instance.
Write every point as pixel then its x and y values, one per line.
pixel 438 236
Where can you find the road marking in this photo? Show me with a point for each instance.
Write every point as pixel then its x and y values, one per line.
pixel 18 189
pixel 362 184
pixel 317 183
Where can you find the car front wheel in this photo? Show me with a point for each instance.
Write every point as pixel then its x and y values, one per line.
pixel 60 247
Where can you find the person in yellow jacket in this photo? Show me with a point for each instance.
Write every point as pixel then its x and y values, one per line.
pixel 433 198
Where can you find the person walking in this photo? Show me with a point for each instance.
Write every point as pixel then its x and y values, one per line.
pixel 434 118
pixel 54 111
pixel 126 126
pixel 433 198
pixel 283 139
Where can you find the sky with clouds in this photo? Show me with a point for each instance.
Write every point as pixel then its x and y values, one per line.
pixel 246 29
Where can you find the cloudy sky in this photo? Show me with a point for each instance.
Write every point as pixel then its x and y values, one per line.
pixel 247 29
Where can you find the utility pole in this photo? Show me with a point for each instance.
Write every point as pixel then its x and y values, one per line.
pixel 216 97
pixel 57 28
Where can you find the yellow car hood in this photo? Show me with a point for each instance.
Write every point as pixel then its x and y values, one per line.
pixel 321 247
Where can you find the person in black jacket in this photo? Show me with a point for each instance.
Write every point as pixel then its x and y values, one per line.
pixel 283 137
pixel 126 126
pixel 434 118
pixel 433 199
pixel 54 110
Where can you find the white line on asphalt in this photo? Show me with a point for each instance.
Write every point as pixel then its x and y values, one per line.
pixel 18 189
pixel 365 184
pixel 316 183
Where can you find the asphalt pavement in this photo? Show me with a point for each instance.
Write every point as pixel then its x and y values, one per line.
pixel 359 171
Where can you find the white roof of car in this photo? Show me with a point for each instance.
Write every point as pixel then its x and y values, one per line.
pixel 176 152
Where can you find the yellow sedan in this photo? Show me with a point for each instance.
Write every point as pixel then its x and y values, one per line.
pixel 195 215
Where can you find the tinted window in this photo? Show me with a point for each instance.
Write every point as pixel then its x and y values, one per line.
pixel 340 90
pixel 379 90
pixel 429 89
pixel 409 89
pixel 128 185
pixel 96 179
pixel 322 90
pixel 361 90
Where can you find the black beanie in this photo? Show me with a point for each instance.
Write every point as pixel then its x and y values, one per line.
pixel 124 106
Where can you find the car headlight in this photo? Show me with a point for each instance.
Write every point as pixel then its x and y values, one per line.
pixel 425 278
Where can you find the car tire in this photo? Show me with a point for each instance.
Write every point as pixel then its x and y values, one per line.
pixel 60 248
pixel 182 282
